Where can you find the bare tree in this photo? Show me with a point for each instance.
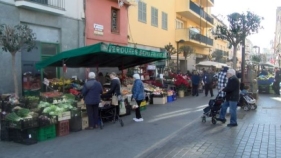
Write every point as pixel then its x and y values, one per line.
pixel 187 51
pixel 240 26
pixel 15 39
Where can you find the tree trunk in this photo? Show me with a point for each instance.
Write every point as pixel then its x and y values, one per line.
pixel 186 64
pixel 234 59
pixel 15 74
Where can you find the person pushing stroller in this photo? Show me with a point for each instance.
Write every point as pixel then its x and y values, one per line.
pixel 232 91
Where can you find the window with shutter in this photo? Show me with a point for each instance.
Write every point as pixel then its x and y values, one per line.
pixel 142 11
pixel 164 21
pixel 154 17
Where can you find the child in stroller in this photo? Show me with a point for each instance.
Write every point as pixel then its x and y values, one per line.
pixel 246 100
pixel 213 109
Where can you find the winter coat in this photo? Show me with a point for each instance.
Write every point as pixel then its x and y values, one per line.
pixel 138 90
pixel 115 88
pixel 91 92
pixel 232 89
pixel 195 79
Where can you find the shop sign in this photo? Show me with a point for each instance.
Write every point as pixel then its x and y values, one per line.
pixel 46 82
pixel 133 51
pixel 98 29
pixel 151 67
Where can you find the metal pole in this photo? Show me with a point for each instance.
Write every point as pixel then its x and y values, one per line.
pixel 177 57
pixel 243 52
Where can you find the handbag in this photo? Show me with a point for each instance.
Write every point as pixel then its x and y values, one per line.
pixel 134 104
pixel 114 100
pixel 122 108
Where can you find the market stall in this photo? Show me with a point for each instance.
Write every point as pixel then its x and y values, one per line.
pixel 55 113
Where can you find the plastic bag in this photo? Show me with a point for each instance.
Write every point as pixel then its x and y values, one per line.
pixel 134 104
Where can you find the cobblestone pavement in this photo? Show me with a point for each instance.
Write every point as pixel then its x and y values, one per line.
pixel 171 130
pixel 258 135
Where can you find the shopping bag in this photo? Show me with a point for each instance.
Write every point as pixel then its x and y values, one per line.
pixel 122 108
pixel 114 100
pixel 143 103
pixel 134 104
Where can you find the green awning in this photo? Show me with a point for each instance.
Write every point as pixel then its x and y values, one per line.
pixel 103 55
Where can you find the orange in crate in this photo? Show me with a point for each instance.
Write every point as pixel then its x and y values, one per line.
pixel 63 128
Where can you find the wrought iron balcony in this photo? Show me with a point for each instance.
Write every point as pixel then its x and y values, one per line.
pixel 200 38
pixel 194 7
pixel 53 6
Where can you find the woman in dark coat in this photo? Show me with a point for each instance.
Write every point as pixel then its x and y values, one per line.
pixel 195 79
pixel 138 96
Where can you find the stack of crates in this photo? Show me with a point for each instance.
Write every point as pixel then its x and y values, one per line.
pixel 46 133
pixel 63 128
pixel 26 136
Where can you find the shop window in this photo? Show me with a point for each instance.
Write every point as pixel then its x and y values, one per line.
pixel 115 20
pixel 48 49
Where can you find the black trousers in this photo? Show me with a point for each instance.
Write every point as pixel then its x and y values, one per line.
pixel 137 110
pixel 195 89
pixel 209 87
pixel 93 114
pixel 276 87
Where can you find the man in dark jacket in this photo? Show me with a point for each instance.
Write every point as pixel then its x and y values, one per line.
pixel 232 97
pixel 208 82
pixel 91 92
pixel 276 86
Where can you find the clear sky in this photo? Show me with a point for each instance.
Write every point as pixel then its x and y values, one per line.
pixel 264 8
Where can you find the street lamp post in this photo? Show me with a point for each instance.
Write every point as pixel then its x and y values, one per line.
pixel 180 41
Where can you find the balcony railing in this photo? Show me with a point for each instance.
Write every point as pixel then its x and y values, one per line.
pixel 58 4
pixel 194 7
pixel 200 38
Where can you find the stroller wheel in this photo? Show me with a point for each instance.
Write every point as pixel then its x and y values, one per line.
pixel 246 108
pixel 214 121
pixel 203 119
pixel 254 107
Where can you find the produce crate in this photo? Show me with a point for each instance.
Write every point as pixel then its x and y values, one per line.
pixel 46 133
pixel 27 136
pixel 64 116
pixel 47 120
pixel 85 122
pixel 24 124
pixel 4 132
pixel 63 128
pixel 75 124
pixel 76 113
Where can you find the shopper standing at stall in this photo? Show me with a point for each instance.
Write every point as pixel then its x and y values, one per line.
pixel 91 92
pixel 115 89
pixel 195 79
pixel 138 95
pixel 208 82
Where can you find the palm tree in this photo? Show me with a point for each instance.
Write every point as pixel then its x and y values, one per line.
pixel 187 51
pixel 256 58
pixel 171 50
pixel 218 55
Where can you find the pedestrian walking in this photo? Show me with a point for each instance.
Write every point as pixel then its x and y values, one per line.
pixel 195 79
pixel 92 91
pixel 232 97
pixel 208 82
pixel 138 96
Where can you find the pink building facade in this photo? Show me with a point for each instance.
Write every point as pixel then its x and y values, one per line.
pixel 106 22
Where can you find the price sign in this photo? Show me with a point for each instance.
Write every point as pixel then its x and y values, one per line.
pixel 46 82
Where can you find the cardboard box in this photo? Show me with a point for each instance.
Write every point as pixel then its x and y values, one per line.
pixel 160 101
pixel 85 122
pixel 64 116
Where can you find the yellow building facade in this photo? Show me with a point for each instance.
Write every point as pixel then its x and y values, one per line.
pixel 156 23
pixel 219 44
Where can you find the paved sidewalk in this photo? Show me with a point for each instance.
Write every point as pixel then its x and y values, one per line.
pixel 258 135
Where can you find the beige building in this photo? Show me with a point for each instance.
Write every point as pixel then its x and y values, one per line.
pixel 277 38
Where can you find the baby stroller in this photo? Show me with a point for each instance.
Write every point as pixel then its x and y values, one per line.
pixel 213 109
pixel 247 102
